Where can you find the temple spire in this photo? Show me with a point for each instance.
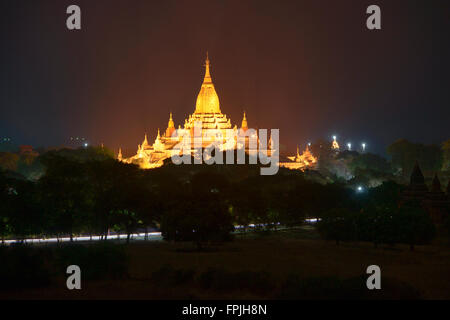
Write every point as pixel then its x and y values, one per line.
pixel 145 143
pixel 244 124
pixel 207 78
pixel 335 144
pixel 417 178
pixel 207 99
pixel 171 124
pixel 436 184
pixel 170 127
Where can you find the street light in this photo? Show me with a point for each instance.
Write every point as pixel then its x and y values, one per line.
pixel 349 145
pixel 363 146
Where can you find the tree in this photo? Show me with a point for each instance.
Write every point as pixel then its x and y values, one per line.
pixel 200 213
pixel 65 190
pixel 415 226
pixel 4 207
pixel 26 215
pixel 9 161
pixel 387 194
pixel 147 206
pixel 197 220
pixel 405 153
pixel 131 203
pixel 240 205
pixel 338 225
pixel 446 155
pixel 113 184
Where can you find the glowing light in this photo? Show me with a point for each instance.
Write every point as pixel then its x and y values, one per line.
pixel 363 146
pixel 335 145
pixel 152 236
pixel 303 161
pixel 349 145
pixel 85 145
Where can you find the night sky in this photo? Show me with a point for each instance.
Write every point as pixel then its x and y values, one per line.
pixel 310 68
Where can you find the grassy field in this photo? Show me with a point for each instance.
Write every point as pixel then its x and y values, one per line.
pixel 287 264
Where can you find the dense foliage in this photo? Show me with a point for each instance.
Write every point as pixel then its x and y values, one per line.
pixel 87 192
pixel 432 158
pixel 380 220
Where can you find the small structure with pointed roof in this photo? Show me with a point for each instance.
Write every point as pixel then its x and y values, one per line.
pixel 244 124
pixel 170 127
pixel 434 201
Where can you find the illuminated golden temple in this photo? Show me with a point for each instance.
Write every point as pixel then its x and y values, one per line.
pixel 205 126
pixel 301 161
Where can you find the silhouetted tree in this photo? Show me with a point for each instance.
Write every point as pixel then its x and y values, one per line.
pixel 201 212
pixel 415 226
pixel 26 216
pixel 9 161
pixel 65 191
pixel 113 183
pixel 405 153
pixel 446 155
pixel 339 225
pixel 4 207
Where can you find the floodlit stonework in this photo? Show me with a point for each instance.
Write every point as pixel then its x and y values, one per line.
pixel 301 161
pixel 206 126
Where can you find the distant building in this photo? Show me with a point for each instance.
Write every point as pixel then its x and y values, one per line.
pixel 306 160
pixel 27 150
pixel 434 201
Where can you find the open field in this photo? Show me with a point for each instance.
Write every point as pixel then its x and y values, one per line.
pixel 264 267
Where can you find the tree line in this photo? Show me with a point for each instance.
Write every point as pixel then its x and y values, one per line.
pixel 87 192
